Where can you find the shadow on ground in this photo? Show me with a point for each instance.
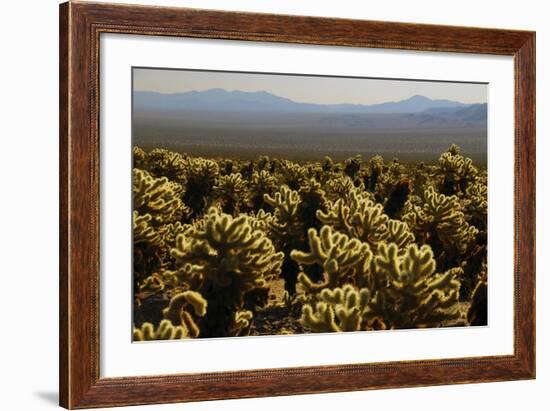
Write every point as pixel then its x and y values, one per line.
pixel 51 397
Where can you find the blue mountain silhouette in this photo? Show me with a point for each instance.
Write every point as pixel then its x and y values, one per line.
pixel 261 101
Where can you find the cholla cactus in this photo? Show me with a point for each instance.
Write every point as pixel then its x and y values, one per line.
pixel 153 270
pixel 339 309
pixel 262 220
pixel 231 259
pixel 420 179
pixel 327 164
pixel 287 229
pixel 293 174
pixel 456 171
pixel 339 187
pixel 200 180
pixel 262 183
pixel 164 163
pixel 286 203
pixel 352 166
pixel 313 200
pixel 399 234
pixel 389 179
pixel 139 158
pixel 144 233
pixel 152 284
pixel 375 168
pixel 476 206
pixel 148 251
pixel 413 294
pixel 158 197
pixel 169 232
pixel 451 227
pixel 178 311
pixel 441 222
pixel 360 218
pixel 165 331
pixel 241 322
pixel 231 192
pixel 355 234
pixel 342 259
pixel 397 198
pixel 165 283
pixel 263 163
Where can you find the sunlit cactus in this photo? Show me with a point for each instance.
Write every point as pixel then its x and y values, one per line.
pixel 341 258
pixel 158 197
pixel 286 203
pixel 152 284
pixel 148 251
pixel 164 163
pixel 441 222
pixel 230 258
pixel 339 187
pixel 420 178
pixel 262 220
pixel 327 164
pixel 241 322
pixel 263 163
pixel 169 232
pixel 392 176
pixel 399 233
pixel 293 175
pixel 165 331
pixel 414 295
pixel 476 206
pixel 375 168
pixel 139 158
pixel 287 229
pixel 360 218
pixel 231 192
pixel 418 220
pixel 227 247
pixel 456 171
pixel 183 310
pixel 262 183
pixel 152 264
pixel 200 180
pixel 164 282
pixel 338 309
pixel 227 166
pixel 246 169
pixel 313 200
pixel 143 232
pixel 352 166
pixel 449 221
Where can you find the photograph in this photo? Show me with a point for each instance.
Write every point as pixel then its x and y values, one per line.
pixel 279 203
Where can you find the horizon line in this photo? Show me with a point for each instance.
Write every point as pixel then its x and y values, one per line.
pixel 306 102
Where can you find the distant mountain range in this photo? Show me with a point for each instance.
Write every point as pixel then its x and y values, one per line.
pixel 248 124
pixel 220 100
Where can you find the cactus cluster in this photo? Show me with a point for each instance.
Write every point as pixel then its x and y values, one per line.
pixel 229 247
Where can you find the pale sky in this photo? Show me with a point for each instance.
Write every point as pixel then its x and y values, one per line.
pixel 307 89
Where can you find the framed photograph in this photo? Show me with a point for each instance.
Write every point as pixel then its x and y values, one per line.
pixel 260 205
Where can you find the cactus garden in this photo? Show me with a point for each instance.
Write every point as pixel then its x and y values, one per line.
pixel 229 247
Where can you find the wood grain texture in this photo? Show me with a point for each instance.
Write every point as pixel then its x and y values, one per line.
pixel 63 204
pixel 80 27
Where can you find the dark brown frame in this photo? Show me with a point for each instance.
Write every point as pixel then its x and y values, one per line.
pixel 80 27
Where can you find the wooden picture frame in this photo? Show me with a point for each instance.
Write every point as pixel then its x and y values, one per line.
pixel 80 27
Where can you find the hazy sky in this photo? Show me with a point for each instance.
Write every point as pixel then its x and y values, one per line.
pixel 307 89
